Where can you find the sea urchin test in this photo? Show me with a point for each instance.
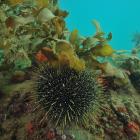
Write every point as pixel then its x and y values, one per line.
pixel 66 95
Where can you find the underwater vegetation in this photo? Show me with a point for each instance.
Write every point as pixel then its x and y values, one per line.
pixel 58 84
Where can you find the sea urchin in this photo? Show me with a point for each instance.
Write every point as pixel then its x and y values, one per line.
pixel 66 95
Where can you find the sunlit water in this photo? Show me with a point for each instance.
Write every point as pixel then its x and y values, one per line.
pixel 121 17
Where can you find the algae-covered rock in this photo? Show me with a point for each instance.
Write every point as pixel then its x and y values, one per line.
pixel 135 79
pixel 80 134
pixel 34 36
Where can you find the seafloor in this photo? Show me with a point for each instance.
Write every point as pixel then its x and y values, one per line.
pixel 34 41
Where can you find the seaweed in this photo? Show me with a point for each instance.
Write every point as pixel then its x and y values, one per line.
pixel 34 34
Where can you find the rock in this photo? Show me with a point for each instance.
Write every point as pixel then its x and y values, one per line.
pixel 1 94
pixel 135 80
pixel 18 105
